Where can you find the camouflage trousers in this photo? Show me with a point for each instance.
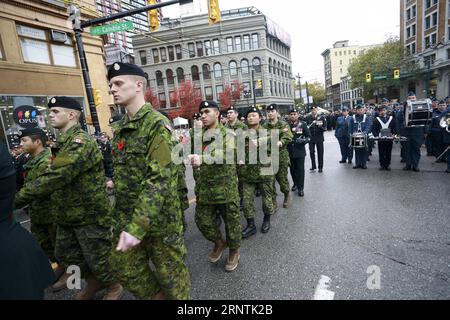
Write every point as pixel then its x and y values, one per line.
pixel 282 178
pixel 45 235
pixel 88 247
pixel 168 273
pixel 205 218
pixel 267 198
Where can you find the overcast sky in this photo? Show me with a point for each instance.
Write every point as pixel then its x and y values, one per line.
pixel 314 25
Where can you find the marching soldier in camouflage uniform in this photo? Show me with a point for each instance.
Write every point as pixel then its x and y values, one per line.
pixel 76 180
pixel 234 124
pixel 148 213
pixel 285 137
pixel 217 187
pixel 43 227
pixel 252 178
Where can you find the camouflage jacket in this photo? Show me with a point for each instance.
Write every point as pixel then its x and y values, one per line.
pixel 217 182
pixel 237 125
pixel 76 180
pixel 146 179
pixel 252 173
pixel 40 209
pixel 285 137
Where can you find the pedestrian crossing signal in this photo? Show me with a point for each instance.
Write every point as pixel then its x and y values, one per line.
pixel 153 16
pixel 259 84
pixel 396 73
pixel 368 77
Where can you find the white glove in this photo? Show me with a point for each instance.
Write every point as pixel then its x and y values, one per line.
pixel 127 242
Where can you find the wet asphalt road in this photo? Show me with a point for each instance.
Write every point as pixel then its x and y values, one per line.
pixel 351 226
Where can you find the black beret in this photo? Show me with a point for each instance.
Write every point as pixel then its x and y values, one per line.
pixel 381 108
pixel 208 104
pixel 64 102
pixel 292 110
pixel 33 132
pixel 232 109
pixel 359 106
pixel 344 109
pixel 125 69
pixel 441 102
pixel 115 118
pixel 272 107
pixel 253 109
pixel 411 94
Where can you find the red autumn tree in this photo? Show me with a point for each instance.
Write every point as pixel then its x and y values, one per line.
pixel 150 97
pixel 225 98
pixel 238 88
pixel 174 98
pixel 190 98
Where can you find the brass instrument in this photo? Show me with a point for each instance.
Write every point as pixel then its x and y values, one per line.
pixel 445 122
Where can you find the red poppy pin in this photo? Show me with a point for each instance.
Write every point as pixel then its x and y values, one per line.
pixel 120 145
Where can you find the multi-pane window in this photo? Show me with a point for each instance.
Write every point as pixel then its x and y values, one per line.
pixel 428 22
pixel 255 41
pixel 199 49
pixel 434 19
pixel 178 52
pixel 171 53
pixel 237 43
pixel 244 66
pixel 229 44
pixel 216 46
pixel 159 78
pixel 180 75
pixel 217 70
pixel 233 68
pixel 208 48
pixel 38 47
pixel 163 54
pixel 191 48
pixel 206 70
pixel 143 56
pixel 155 56
pixel 219 90
pixel 209 93
pixel 162 100
pixel 246 42
pixel 170 77
pixel 195 73
pixel 257 65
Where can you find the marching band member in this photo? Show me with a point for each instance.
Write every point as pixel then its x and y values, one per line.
pixel 384 126
pixel 360 122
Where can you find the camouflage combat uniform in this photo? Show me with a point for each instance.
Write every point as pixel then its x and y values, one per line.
pixel 238 125
pixel 43 224
pixel 148 207
pixel 281 176
pixel 252 178
pixel 77 182
pixel 218 190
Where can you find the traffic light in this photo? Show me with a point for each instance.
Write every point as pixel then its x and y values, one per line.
pixel 397 73
pixel 97 97
pixel 368 77
pixel 213 12
pixel 153 16
pixel 259 84
pixel 74 16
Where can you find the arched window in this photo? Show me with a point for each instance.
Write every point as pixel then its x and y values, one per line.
pixel 233 68
pixel 206 70
pixel 279 67
pixel 270 65
pixel 180 75
pixel 195 74
pixel 244 66
pixel 159 78
pixel 257 64
pixel 169 76
pixel 274 66
pixel 282 69
pixel 217 70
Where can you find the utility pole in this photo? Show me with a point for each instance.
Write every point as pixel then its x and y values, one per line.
pixel 300 86
pixel 307 95
pixel 253 88
pixel 78 26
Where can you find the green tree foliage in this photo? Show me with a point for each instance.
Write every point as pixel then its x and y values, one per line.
pixel 381 61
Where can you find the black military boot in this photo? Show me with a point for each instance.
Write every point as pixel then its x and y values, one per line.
pixel 250 229
pixel 266 224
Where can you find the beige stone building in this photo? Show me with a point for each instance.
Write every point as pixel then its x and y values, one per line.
pixel 38 60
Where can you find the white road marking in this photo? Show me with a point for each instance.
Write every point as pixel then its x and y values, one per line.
pixel 322 292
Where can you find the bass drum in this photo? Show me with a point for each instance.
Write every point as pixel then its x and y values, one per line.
pixel 418 113
pixel 359 140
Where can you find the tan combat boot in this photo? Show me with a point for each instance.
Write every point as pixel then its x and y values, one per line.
pixel 232 261
pixel 159 296
pixel 287 200
pixel 88 293
pixel 113 292
pixel 216 254
pixel 61 283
